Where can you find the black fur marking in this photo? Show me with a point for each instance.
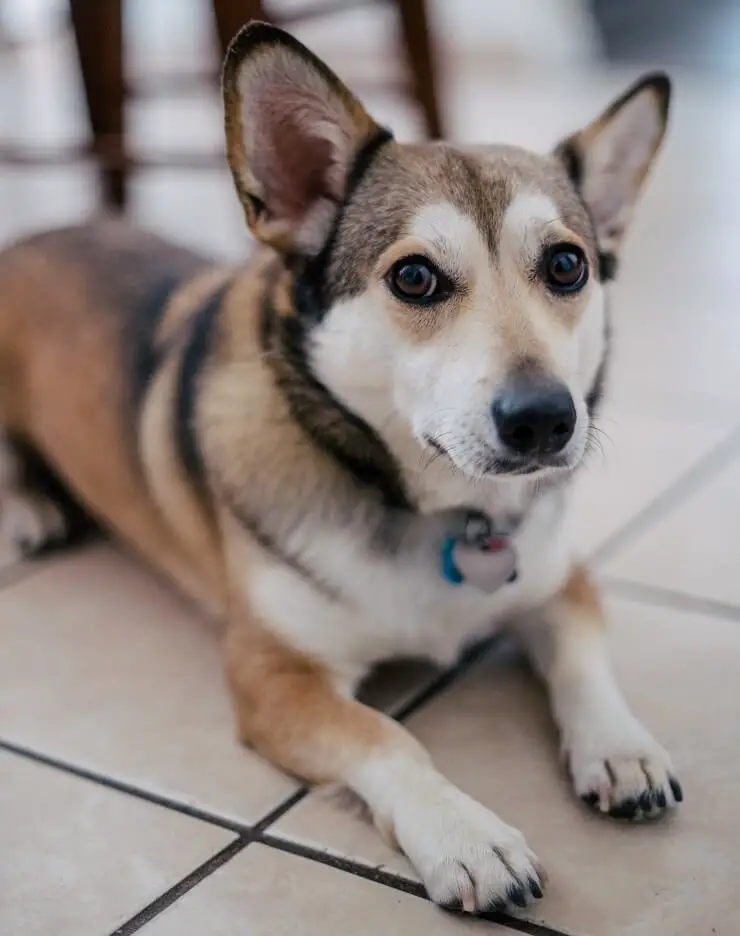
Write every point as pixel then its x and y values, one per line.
pixel 573 163
pixel 607 270
pixel 596 394
pixel 571 159
pixel 596 391
pixel 36 476
pixel 608 266
pixel 146 315
pixel 194 355
pixel 342 434
pixel 310 285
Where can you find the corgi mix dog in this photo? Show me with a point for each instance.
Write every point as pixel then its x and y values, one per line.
pixel 415 351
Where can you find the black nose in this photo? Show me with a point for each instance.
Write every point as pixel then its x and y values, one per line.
pixel 534 417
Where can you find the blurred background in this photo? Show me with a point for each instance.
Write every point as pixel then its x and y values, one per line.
pixel 143 75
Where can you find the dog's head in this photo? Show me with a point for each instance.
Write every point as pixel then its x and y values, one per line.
pixel 456 294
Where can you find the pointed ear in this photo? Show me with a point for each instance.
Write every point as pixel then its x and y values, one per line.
pixel 293 132
pixel 609 160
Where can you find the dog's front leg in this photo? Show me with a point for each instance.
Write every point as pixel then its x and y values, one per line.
pixel 291 710
pixel 615 763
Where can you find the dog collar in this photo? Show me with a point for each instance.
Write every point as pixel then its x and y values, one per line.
pixel 486 565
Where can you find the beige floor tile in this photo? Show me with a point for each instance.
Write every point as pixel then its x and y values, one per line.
pixel 104 667
pixel 264 892
pixel 694 549
pixel 101 665
pixel 78 859
pixel 492 734
pixel 638 456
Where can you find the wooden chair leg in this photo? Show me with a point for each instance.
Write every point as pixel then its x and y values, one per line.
pixel 98 30
pixel 231 15
pixel 420 55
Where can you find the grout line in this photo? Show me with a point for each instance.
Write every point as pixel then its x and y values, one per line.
pixel 165 900
pixel 339 863
pixel 272 817
pixel 686 484
pixel 247 835
pixel 666 597
pixel 256 833
pixel 120 786
pixel 438 684
pixel 393 881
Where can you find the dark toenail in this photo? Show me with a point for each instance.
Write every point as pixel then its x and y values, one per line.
pixel 661 799
pixel 676 789
pixel 591 799
pixel 535 888
pixel 517 896
pixel 646 801
pixel 625 810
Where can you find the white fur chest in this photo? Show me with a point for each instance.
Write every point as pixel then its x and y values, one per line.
pixel 401 609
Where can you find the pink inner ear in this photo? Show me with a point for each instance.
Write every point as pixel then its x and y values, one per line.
pixel 293 167
pixel 293 162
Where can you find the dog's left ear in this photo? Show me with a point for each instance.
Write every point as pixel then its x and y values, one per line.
pixel 293 134
pixel 609 160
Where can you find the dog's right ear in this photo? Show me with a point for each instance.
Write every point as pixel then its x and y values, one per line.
pixel 609 160
pixel 293 132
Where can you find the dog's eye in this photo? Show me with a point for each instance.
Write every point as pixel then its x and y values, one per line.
pixel 416 279
pixel 564 268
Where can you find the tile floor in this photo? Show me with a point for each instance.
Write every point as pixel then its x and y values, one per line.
pixel 125 803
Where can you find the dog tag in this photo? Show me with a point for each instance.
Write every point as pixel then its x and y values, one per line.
pixel 486 566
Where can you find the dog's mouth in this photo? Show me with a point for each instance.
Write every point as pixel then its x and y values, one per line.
pixel 491 464
pixel 520 467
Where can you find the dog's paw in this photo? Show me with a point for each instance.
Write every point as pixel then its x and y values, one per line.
pixel 30 523
pixel 469 859
pixel 633 780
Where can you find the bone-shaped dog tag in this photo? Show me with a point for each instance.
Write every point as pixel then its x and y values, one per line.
pixel 488 566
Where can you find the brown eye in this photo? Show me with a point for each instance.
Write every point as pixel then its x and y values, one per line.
pixel 564 268
pixel 417 280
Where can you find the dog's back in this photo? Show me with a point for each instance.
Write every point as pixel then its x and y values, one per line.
pixel 89 317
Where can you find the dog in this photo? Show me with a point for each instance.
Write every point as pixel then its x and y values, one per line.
pixel 415 350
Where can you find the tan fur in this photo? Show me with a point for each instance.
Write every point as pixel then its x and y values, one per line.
pixel 326 733
pixel 581 595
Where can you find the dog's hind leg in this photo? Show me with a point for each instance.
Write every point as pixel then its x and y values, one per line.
pixel 37 513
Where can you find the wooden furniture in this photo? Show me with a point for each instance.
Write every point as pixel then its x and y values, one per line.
pixel 98 33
